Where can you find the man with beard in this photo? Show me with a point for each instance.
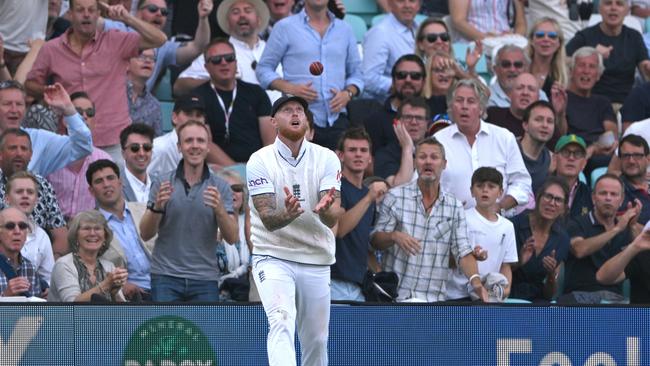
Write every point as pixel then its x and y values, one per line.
pixel 295 189
pixel 510 62
pixel 595 238
pixel 243 20
pixel 422 228
pixel 634 156
pixel 408 75
pixel 15 154
pixel 172 52
pixel 524 91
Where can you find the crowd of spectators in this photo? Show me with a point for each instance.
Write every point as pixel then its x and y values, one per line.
pixel 518 168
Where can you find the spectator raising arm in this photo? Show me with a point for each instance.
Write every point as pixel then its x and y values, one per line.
pixel 151 37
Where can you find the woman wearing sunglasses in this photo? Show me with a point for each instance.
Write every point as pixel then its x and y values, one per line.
pixel 547 55
pixel 234 283
pixel 542 243
pixel 433 37
pixel 81 276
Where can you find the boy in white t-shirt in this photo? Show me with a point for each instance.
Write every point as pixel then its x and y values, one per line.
pixel 493 239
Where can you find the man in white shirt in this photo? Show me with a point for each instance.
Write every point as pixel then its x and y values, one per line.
pixel 243 20
pixel 137 142
pixel 165 156
pixel 472 143
pixel 295 190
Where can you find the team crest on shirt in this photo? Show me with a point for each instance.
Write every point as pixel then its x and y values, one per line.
pixel 296 192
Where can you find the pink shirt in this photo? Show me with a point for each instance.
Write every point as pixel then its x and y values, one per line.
pixel 71 187
pixel 100 71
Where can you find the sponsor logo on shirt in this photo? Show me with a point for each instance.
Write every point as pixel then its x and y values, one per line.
pixel 257 182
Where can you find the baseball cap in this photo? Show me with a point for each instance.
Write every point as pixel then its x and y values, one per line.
pixel 188 103
pixel 570 139
pixel 286 99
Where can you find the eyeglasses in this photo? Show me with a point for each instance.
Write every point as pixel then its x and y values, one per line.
pixel 145 58
pixel 237 187
pixel 10 225
pixel 136 147
pixel 415 75
pixel 216 60
pixel 548 198
pixel 154 8
pixel 541 34
pixel 411 117
pixel 506 64
pixel 89 112
pixel 635 156
pixel 577 154
pixel 432 37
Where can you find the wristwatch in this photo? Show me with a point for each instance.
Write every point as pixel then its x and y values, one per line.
pixel 350 93
pixel 152 208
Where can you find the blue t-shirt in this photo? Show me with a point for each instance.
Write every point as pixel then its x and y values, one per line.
pixel 352 250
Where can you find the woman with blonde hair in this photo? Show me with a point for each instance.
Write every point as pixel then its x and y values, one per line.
pixel 81 275
pixel 546 51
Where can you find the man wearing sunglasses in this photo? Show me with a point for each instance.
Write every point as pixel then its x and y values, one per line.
pixel 18 276
pixel 237 112
pixel 384 43
pixel 69 182
pixel 243 20
pixel 144 107
pixel 312 35
pixel 126 249
pixel 509 62
pixel 172 52
pixel 101 70
pixel 137 142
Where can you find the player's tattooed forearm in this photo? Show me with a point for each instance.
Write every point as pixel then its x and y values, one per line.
pixel 272 218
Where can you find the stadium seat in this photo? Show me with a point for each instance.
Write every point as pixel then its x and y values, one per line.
pixel 358 26
pixel 366 9
pixel 595 174
pixel 582 178
pixel 460 50
pixel 164 89
pixel 167 108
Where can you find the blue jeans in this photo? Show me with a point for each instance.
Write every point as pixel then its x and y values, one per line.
pixel 168 288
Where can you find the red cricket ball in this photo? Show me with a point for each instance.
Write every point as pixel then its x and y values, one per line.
pixel 316 68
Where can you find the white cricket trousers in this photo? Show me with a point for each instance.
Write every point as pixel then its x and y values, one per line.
pixel 294 294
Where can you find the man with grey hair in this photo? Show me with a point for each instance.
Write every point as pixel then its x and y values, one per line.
pixel 403 227
pixel 590 115
pixel 509 62
pixel 472 143
pixel 621 47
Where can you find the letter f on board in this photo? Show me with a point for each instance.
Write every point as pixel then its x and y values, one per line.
pixel 24 331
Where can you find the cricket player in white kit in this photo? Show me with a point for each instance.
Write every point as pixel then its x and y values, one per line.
pixel 295 193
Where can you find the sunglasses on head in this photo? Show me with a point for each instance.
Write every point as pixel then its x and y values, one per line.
pixel 89 112
pixel 506 64
pixel 216 60
pixel 541 34
pixel 432 37
pixel 237 187
pixel 136 147
pixel 402 75
pixel 11 84
pixel 22 225
pixel 154 8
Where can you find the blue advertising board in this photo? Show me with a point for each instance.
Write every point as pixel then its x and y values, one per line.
pixel 410 335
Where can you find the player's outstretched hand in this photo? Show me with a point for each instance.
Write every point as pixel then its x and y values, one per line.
pixel 291 204
pixel 325 202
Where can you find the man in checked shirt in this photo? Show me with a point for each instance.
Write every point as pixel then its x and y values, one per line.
pixel 419 226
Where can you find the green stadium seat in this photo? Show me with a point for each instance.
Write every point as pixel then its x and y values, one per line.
pixel 167 108
pixel 239 169
pixel 365 9
pixel 595 174
pixel 164 89
pixel 376 19
pixel 358 26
